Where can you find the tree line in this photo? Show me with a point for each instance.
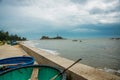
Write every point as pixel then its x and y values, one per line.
pixel 5 36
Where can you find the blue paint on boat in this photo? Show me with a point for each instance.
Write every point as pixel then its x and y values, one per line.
pixel 20 60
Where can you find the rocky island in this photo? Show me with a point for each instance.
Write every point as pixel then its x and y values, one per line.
pixel 50 38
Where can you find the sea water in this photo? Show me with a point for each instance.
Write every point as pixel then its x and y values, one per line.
pixel 99 53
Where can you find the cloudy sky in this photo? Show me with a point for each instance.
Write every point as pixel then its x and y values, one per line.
pixel 68 18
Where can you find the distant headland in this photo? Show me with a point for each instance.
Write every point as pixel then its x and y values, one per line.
pixel 51 38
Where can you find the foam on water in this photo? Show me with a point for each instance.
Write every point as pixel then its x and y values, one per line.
pixel 113 71
pixel 50 51
pixel 33 44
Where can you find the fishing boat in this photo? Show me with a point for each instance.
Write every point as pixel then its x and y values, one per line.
pixel 13 42
pixel 33 72
pixel 13 62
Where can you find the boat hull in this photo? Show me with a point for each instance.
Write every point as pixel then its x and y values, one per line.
pixel 25 73
pixel 18 61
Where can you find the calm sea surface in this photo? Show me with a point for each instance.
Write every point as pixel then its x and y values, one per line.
pixel 98 53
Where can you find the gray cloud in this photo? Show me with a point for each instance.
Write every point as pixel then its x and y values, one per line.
pixel 16 2
pixel 48 16
pixel 108 12
pixel 80 1
pixel 102 11
pixel 108 1
pixel 97 11
pixel 59 14
pixel 0 1
pixel 117 8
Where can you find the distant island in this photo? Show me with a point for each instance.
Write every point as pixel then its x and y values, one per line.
pixel 115 38
pixel 49 38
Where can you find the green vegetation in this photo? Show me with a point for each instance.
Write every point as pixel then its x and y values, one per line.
pixel 5 36
pixel 2 43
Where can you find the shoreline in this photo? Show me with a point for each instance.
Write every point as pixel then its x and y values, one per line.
pixel 53 51
pixel 106 69
pixel 77 72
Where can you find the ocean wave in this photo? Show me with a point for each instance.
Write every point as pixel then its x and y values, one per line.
pixel 113 71
pixel 53 52
pixel 34 44
pixel 31 43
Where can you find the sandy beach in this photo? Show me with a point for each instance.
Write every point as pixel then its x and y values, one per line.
pixel 11 51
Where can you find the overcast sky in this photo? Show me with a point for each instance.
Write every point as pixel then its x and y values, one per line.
pixel 68 18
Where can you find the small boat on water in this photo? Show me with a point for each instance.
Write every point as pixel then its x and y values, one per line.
pixel 13 62
pixel 43 72
pixel 75 40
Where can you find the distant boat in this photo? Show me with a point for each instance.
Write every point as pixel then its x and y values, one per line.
pixel 115 38
pixel 13 42
pixel 80 40
pixel 33 72
pixel 74 40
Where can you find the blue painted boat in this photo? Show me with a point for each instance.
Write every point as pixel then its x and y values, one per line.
pixel 44 72
pixel 16 62
pixel 13 42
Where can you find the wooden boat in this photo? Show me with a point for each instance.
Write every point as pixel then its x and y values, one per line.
pixel 44 72
pixel 13 62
